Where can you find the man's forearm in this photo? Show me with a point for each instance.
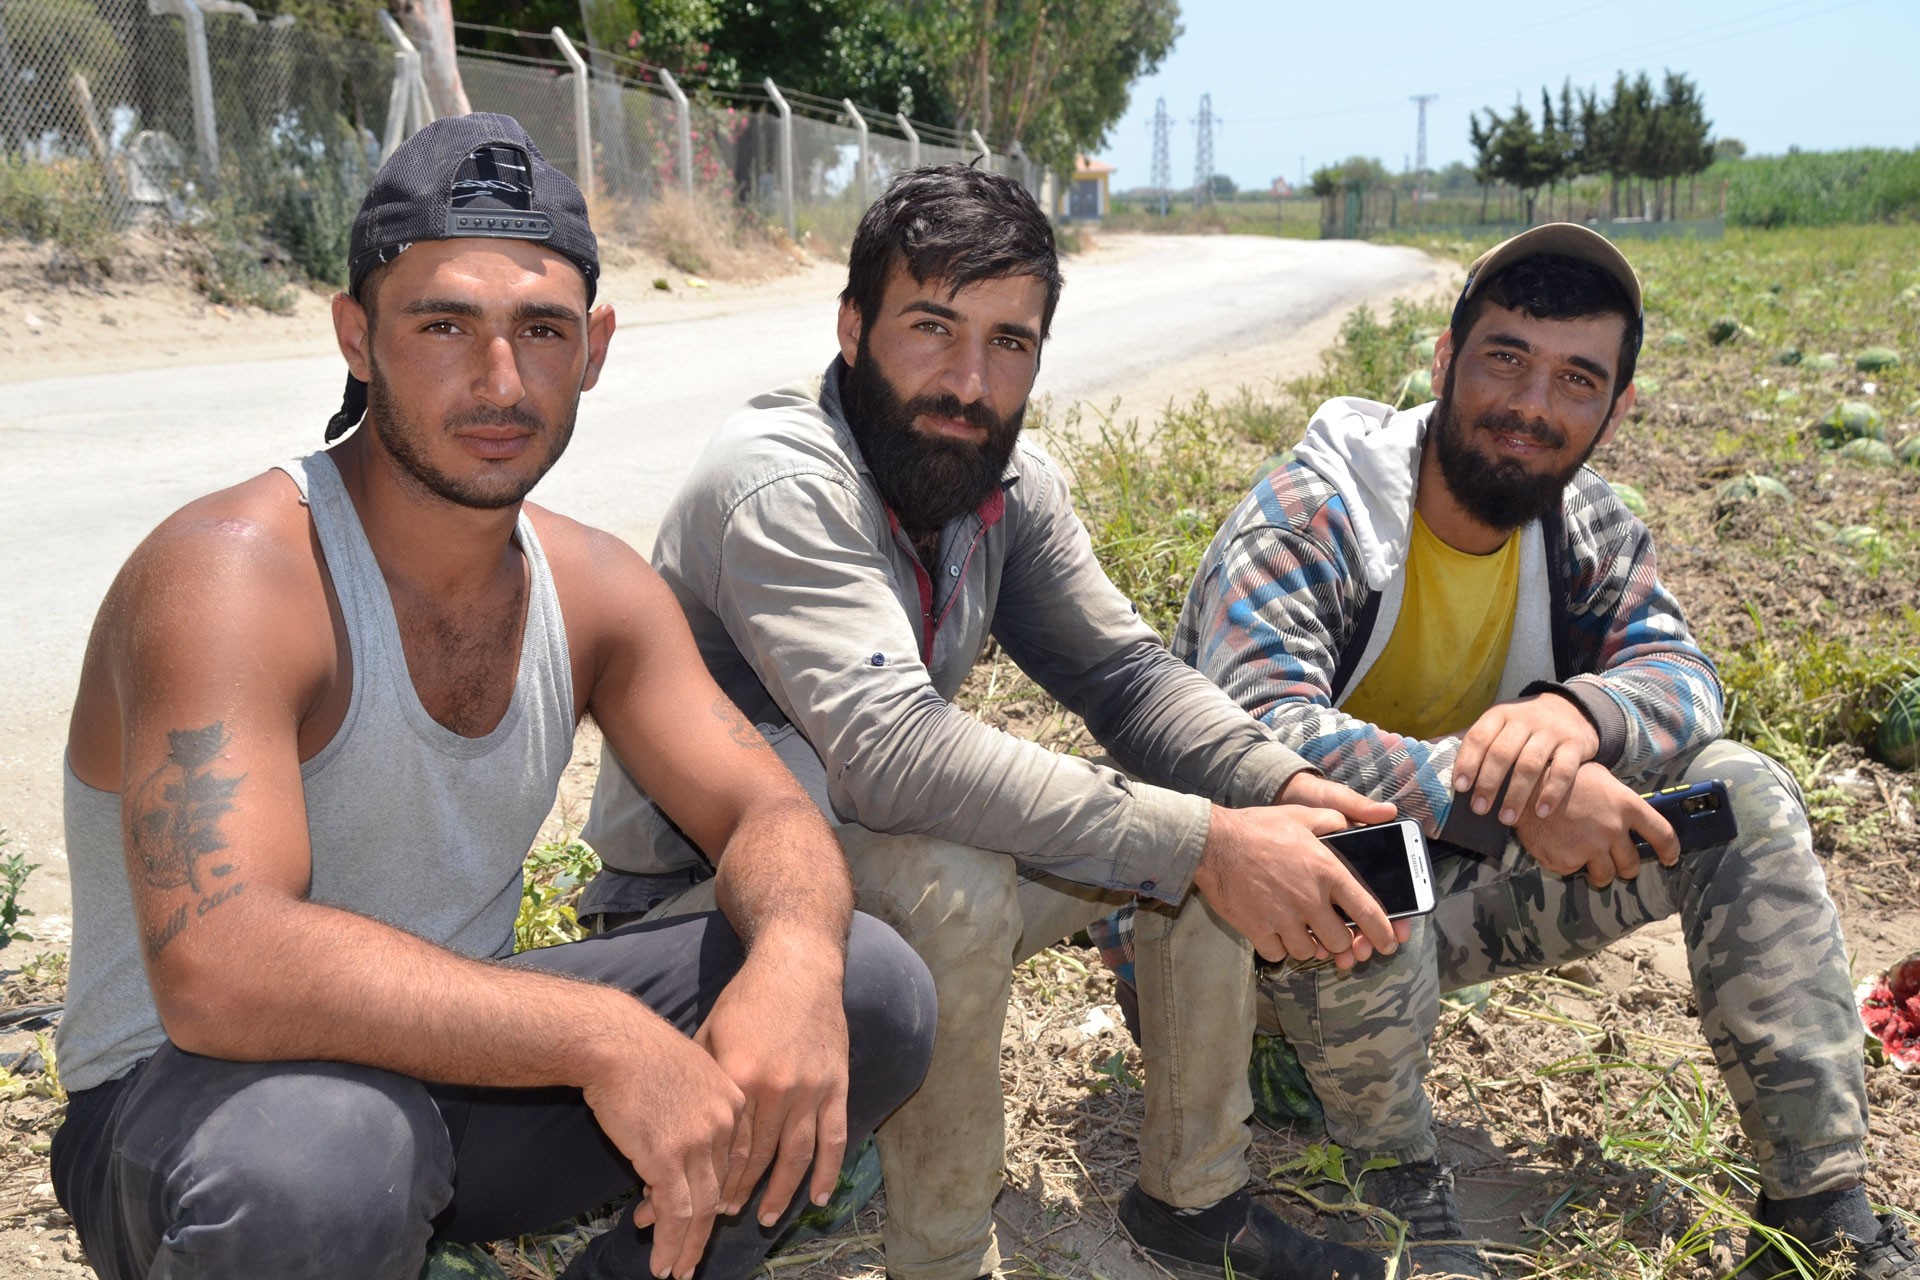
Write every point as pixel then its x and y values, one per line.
pixel 782 872
pixel 330 985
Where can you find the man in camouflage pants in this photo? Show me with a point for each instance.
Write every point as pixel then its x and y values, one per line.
pixel 1443 608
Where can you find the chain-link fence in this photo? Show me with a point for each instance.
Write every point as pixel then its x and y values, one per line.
pixel 206 107
pixel 152 113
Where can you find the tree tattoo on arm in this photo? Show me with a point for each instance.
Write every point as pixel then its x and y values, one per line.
pixel 175 824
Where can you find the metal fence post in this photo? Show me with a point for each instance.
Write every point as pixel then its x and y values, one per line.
pixel 786 154
pixel 199 82
pixel 582 123
pixel 1018 154
pixel 685 121
pixel 409 109
pixel 986 152
pixel 859 123
pixel 913 139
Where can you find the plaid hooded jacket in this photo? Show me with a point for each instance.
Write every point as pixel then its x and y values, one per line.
pixel 1300 589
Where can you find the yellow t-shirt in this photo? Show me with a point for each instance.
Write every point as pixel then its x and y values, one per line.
pixel 1441 667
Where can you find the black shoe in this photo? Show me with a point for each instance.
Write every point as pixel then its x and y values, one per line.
pixel 1890 1255
pixel 1421 1195
pixel 1259 1247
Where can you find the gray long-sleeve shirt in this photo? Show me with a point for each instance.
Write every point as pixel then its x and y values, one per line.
pixel 815 615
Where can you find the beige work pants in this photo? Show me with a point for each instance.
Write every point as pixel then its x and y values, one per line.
pixel 972 916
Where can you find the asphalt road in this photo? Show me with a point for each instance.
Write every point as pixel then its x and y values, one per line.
pixel 92 463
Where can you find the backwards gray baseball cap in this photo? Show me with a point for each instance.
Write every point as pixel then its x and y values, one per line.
pixel 475 176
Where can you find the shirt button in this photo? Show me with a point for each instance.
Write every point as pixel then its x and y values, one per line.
pixel 953 571
pixel 878 660
pixel 1146 886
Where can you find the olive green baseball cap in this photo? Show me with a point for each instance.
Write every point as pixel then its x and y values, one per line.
pixel 1566 240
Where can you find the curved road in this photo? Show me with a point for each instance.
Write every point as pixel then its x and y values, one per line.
pixel 94 462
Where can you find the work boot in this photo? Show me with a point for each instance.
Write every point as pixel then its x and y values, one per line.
pixel 1421 1195
pixel 1832 1222
pixel 1241 1233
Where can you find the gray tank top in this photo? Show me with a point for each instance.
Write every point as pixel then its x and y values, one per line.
pixel 410 823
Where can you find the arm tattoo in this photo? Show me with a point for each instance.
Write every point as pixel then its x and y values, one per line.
pixel 175 824
pixel 743 733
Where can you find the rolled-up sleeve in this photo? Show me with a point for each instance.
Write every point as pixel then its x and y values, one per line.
pixel 808 596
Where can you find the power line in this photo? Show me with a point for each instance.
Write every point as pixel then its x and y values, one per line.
pixel 1162 181
pixel 1203 152
pixel 1420 148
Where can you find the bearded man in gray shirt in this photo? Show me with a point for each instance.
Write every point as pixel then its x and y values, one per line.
pixel 844 551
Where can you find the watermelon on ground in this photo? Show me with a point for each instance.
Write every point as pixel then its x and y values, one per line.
pixel 1874 359
pixel 1421 349
pixel 1630 498
pixel 1648 384
pixel 1907 452
pixel 1788 356
pixel 1417 389
pixel 1899 742
pixel 1867 451
pixel 1728 329
pixel 1861 537
pixel 859 1179
pixel 448 1261
pixel 1821 362
pixel 1851 420
pixel 1752 488
pixel 1282 1098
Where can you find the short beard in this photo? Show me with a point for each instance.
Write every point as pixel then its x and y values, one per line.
pixel 1501 494
pixel 925 480
pixel 400 435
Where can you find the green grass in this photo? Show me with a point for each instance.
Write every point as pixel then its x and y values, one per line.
pixel 1821 188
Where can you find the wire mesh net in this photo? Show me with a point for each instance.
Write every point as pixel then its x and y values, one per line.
pixel 538 94
pixel 100 102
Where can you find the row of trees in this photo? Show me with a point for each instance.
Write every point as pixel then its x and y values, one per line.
pixel 1052 73
pixel 1636 134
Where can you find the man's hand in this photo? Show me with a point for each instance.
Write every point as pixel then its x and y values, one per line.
pixel 779 1031
pixel 1542 741
pixel 673 1113
pixel 1267 874
pixel 1595 830
pixel 1317 792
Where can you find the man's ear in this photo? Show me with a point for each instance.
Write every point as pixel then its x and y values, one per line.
pixel 351 331
pixel 1621 407
pixel 600 325
pixel 1442 361
pixel 849 330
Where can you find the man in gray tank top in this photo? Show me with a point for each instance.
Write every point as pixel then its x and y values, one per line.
pixel 322 717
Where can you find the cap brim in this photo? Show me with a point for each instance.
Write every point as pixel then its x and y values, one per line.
pixel 1567 239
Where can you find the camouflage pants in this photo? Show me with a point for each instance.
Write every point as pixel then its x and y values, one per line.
pixel 1764 951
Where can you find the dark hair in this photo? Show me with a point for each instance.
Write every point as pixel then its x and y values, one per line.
pixel 955 223
pixel 1551 286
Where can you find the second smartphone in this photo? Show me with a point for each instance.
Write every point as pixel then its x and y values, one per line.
pixel 1391 860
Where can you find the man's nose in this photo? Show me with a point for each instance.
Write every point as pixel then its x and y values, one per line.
pixel 500 373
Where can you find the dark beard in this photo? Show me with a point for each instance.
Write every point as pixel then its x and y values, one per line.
pixel 1500 494
pixel 399 435
pixel 925 480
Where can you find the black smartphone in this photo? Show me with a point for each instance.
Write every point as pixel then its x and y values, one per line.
pixel 1700 814
pixel 1392 861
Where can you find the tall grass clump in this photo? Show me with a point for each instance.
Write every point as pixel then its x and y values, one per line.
pixel 62 202
pixel 1822 188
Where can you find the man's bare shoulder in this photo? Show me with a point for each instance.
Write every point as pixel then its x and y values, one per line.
pixel 232 582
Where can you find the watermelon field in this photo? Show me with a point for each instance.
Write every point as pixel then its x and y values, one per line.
pixel 1775 454
pixel 1775 449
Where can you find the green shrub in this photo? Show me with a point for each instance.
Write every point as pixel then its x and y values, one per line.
pixel 63 202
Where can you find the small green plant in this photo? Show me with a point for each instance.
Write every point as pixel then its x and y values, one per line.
pixel 554 876
pixel 14 870
pixel 231 260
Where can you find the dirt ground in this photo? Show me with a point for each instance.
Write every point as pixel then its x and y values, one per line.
pixel 1557 1167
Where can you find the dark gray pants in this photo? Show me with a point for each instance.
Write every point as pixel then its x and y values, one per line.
pixel 198 1167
